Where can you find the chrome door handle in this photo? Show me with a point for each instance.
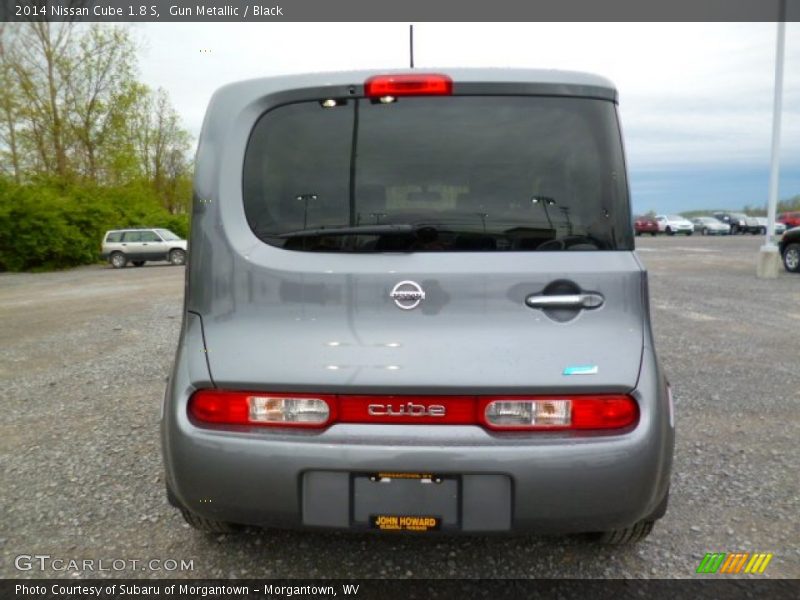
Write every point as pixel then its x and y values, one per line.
pixel 584 300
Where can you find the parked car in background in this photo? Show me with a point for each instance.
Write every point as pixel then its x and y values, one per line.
pixel 753 225
pixel 736 220
pixel 710 226
pixel 672 224
pixel 121 246
pixel 645 225
pixel 763 222
pixel 789 247
pixel 790 219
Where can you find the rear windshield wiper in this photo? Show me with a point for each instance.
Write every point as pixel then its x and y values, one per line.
pixel 355 230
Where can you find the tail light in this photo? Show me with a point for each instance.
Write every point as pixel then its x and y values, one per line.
pixel 528 413
pixel 408 85
pixel 277 410
pixel 596 412
pixel 574 412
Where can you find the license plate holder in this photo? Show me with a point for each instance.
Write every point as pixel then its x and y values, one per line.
pixel 413 502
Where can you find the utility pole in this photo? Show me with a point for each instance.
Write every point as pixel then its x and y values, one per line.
pixel 768 263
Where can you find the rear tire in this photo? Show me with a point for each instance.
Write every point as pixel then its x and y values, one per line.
pixel 177 257
pixel 689 233
pixel 118 260
pixel 654 233
pixel 791 258
pixel 669 231
pixel 138 263
pixel 629 535
pixel 209 525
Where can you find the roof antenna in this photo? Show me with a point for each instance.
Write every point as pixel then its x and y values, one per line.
pixel 411 44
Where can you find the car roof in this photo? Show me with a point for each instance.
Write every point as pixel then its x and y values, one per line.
pixel 554 77
pixel 232 98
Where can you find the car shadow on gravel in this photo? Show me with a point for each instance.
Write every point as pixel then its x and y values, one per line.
pixel 287 553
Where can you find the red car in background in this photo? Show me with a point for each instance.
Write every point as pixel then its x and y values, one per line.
pixel 790 219
pixel 645 225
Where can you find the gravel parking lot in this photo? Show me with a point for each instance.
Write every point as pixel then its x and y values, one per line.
pixel 85 353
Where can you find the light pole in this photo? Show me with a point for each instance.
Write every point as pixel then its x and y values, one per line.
pixel 565 211
pixel 768 259
pixel 305 198
pixel 545 202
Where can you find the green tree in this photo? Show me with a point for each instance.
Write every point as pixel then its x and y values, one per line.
pixel 99 98
pixel 162 147
pixel 38 55
pixel 72 109
pixel 9 115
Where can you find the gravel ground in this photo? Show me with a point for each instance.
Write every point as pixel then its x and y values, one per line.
pixel 85 353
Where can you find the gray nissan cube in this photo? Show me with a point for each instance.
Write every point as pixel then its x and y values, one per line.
pixel 413 305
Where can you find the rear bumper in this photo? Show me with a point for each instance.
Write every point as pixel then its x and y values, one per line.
pixel 557 483
pixel 554 488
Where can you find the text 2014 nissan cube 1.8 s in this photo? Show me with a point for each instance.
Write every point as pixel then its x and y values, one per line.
pixel 413 304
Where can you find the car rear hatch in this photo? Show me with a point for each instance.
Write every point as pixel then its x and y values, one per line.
pixel 425 237
pixel 472 332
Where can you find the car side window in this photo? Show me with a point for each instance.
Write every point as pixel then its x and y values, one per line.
pixel 150 236
pixel 114 237
pixel 132 236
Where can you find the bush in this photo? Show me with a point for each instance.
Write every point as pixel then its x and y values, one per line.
pixel 49 226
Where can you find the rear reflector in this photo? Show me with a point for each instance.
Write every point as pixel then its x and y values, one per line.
pixel 596 412
pixel 408 85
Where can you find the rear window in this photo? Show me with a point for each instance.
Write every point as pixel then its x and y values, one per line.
pixel 167 235
pixel 456 173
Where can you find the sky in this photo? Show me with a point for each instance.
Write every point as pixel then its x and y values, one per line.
pixel 696 99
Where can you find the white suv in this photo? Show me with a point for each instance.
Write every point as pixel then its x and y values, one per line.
pixel 140 245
